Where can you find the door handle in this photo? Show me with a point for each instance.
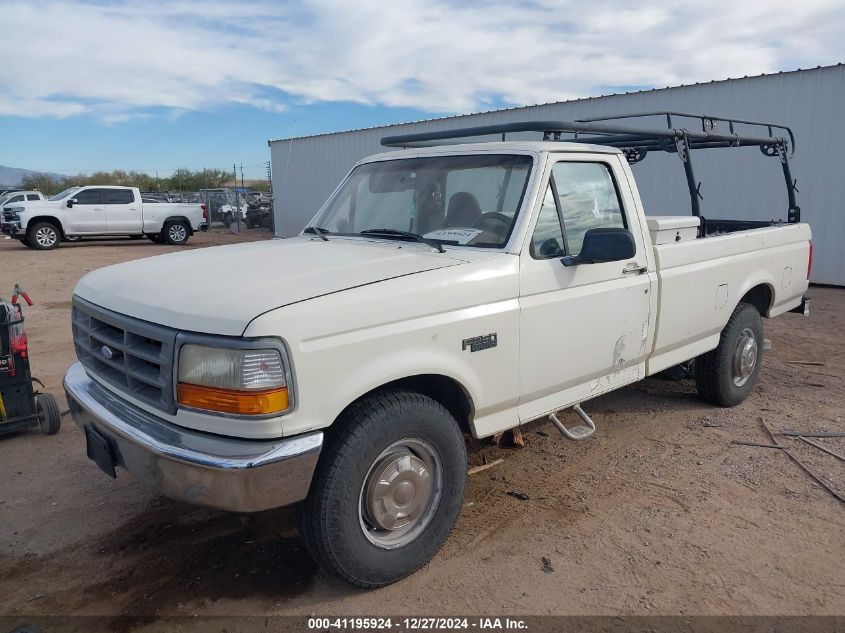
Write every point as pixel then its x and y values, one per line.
pixel 634 269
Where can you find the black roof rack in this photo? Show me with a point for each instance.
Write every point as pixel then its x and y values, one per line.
pixel 705 131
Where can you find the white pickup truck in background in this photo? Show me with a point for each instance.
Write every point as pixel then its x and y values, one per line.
pixel 99 211
pixel 441 291
pixel 16 198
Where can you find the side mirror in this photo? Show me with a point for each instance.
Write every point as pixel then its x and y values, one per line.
pixel 604 245
pixel 70 203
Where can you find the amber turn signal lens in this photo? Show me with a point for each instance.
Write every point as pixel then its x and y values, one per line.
pixel 230 401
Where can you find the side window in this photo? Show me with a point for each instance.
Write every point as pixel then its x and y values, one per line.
pixel 15 199
pixel 32 196
pixel 119 196
pixel 89 196
pixel 547 241
pixel 588 200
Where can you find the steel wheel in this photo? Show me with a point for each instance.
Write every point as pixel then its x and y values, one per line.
pixel 744 357
pixel 400 493
pixel 46 236
pixel 177 233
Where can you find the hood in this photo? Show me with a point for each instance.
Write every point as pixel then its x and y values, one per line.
pixel 220 290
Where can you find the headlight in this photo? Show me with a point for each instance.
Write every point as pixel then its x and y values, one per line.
pixel 241 381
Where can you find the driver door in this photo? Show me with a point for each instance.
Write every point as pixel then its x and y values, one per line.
pixel 88 213
pixel 583 328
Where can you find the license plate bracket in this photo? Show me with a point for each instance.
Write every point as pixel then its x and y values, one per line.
pixel 100 451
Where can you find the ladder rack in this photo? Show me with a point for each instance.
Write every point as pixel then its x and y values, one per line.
pixel 705 131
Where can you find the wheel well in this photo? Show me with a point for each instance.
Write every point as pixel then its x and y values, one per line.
pixel 760 297
pixel 46 218
pixel 174 218
pixel 443 389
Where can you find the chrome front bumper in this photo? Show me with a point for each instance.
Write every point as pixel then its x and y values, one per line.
pixel 199 468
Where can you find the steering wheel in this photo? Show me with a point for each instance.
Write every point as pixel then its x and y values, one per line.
pixel 495 216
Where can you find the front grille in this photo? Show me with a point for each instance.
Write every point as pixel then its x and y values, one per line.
pixel 129 354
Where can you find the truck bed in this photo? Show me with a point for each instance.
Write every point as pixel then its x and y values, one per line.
pixel 702 280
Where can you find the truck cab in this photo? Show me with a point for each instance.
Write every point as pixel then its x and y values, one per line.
pixel 16 198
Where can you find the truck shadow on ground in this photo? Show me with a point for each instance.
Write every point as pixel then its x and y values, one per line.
pixel 172 557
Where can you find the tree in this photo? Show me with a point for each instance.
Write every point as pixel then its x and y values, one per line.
pixel 183 179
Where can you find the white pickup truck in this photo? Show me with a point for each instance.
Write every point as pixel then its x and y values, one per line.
pixel 16 198
pixel 99 211
pixel 441 291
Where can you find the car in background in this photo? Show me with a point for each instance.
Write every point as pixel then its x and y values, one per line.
pixel 223 205
pixel 100 211
pixel 17 197
pixel 259 211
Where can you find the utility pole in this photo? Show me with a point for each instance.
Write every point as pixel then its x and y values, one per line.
pixel 237 213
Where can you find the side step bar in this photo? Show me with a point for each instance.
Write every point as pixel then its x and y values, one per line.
pixel 576 433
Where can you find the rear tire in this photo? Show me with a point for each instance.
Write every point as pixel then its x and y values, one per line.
pixel 176 232
pixel 726 375
pixel 387 489
pixel 49 419
pixel 43 236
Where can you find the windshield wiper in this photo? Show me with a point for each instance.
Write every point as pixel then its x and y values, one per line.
pixel 388 233
pixel 318 231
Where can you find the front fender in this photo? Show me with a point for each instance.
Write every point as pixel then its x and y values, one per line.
pixel 347 344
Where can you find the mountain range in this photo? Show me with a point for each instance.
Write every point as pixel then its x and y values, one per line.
pixel 12 176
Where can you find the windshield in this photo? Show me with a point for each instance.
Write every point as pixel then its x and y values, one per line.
pixel 466 200
pixel 62 194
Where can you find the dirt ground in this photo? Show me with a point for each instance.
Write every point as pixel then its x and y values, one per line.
pixel 657 514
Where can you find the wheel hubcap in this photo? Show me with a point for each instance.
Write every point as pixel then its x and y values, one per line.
pixel 46 236
pixel 177 232
pixel 400 493
pixel 744 358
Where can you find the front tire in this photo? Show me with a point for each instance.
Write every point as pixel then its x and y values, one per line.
pixel 176 232
pixel 43 236
pixel 387 490
pixel 25 241
pixel 726 375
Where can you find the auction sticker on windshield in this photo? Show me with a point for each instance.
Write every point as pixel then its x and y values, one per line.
pixel 461 236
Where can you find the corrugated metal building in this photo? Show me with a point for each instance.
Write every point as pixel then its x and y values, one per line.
pixel 736 183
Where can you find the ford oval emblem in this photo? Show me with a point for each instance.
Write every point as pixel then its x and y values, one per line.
pixel 109 352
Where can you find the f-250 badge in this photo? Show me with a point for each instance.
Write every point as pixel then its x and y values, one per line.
pixel 478 343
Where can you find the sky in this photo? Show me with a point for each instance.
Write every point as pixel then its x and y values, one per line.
pixel 156 85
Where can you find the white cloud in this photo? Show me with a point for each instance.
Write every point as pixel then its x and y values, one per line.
pixel 118 61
